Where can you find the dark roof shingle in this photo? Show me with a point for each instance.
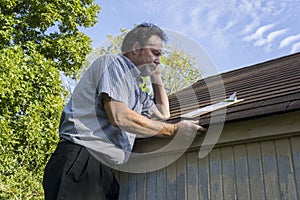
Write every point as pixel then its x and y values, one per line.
pixel 267 88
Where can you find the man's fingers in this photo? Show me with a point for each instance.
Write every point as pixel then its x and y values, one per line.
pixel 193 121
pixel 201 129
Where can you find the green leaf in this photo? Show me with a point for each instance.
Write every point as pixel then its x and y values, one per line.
pixel 32 52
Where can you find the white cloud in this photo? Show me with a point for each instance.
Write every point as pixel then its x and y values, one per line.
pixel 259 33
pixel 257 11
pixel 295 48
pixel 274 7
pixel 244 5
pixel 228 22
pixel 251 26
pixel 288 40
pixel 276 34
pixel 229 25
pixel 270 38
pixel 262 38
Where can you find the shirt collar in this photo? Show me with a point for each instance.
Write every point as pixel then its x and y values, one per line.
pixel 134 70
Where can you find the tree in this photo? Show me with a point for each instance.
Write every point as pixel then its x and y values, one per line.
pixel 178 69
pixel 38 39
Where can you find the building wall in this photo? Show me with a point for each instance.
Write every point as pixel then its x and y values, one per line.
pixel 257 170
pixel 263 165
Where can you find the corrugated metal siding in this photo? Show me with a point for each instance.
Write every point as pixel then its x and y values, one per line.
pixel 257 170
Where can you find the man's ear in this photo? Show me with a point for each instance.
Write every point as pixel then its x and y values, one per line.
pixel 135 48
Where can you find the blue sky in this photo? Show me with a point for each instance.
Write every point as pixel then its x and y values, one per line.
pixel 233 33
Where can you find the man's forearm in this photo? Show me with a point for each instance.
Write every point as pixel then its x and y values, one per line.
pixel 160 95
pixel 128 120
pixel 138 124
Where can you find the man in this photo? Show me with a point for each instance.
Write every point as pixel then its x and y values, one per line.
pixel 106 112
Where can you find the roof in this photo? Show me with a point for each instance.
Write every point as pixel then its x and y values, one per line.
pixel 267 88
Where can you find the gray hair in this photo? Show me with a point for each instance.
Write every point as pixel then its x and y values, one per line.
pixel 141 33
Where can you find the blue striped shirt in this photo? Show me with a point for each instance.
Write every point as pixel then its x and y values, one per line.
pixel 84 120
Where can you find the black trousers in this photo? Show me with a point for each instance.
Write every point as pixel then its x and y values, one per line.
pixel 73 173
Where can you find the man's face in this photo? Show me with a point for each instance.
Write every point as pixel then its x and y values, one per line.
pixel 148 57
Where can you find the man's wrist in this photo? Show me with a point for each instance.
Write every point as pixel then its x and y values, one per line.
pixel 169 130
pixel 156 78
pixel 176 127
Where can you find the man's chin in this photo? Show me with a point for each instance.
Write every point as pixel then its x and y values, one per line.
pixel 145 75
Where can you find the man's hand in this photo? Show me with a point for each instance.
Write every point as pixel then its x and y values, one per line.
pixel 188 129
pixel 157 71
pixel 160 95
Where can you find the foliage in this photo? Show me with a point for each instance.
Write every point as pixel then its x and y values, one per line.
pixel 30 106
pixel 37 40
pixel 53 25
pixel 179 70
pixel 111 46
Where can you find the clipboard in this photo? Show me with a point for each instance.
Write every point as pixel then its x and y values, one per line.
pixel 207 109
